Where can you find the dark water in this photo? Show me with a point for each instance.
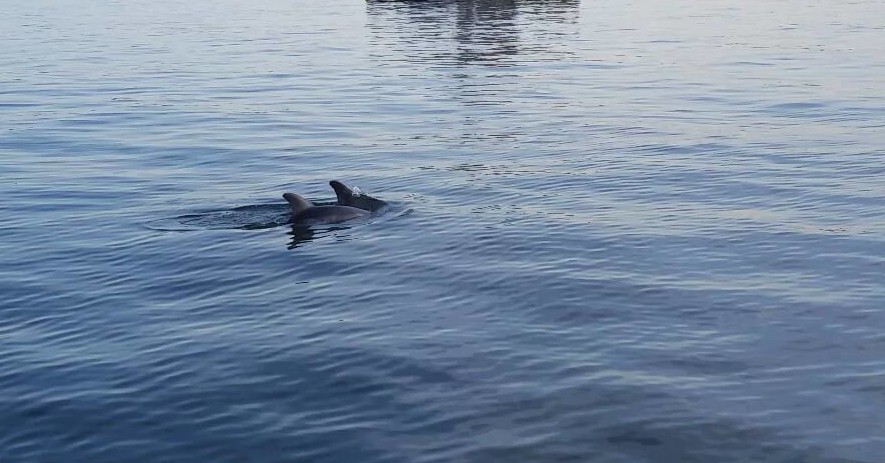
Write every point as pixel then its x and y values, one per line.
pixel 621 231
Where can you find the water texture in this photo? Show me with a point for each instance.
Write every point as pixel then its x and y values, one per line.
pixel 634 231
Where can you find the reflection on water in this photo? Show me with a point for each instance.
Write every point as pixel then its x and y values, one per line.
pixel 300 234
pixel 486 32
pixel 480 57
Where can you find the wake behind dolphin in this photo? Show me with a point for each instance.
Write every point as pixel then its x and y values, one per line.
pixel 350 205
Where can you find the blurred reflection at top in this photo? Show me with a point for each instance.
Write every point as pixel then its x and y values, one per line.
pixel 466 32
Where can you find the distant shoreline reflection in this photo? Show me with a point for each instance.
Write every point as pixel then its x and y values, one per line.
pixel 483 32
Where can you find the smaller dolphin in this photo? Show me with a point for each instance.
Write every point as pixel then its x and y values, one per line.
pixel 304 212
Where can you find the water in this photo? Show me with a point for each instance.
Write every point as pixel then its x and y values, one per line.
pixel 621 231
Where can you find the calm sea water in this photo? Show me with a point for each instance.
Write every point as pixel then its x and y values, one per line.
pixel 636 231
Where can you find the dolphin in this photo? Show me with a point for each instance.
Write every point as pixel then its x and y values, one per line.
pixel 347 197
pixel 304 212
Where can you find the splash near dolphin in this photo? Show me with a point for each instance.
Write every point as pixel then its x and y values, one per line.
pixel 350 205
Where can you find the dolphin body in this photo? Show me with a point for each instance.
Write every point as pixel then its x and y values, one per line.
pixel 350 206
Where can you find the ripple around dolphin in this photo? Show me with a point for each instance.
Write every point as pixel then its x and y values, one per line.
pixel 252 217
pixel 266 216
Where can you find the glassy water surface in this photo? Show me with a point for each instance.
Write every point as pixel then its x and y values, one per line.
pixel 621 231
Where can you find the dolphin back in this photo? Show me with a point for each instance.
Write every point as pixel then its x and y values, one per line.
pixel 328 214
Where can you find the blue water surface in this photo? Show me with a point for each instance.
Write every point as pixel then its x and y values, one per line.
pixel 641 231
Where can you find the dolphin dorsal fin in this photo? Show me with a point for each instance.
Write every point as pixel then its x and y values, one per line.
pixel 297 202
pixel 353 197
pixel 343 193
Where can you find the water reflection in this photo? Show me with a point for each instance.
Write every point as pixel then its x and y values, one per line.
pixel 300 234
pixel 477 60
pixel 461 32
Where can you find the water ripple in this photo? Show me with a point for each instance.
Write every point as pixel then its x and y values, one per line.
pixel 619 233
